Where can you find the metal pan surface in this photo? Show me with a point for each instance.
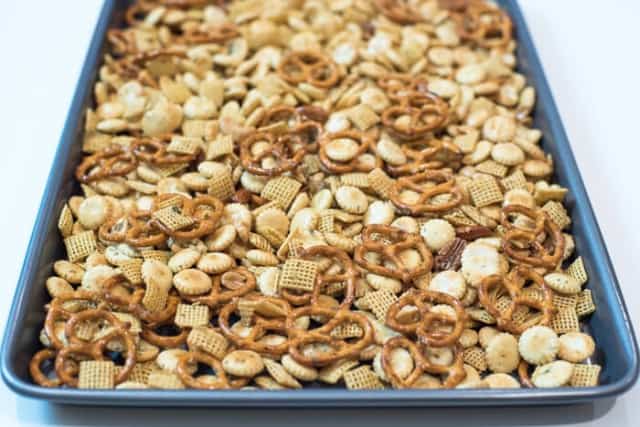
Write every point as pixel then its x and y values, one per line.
pixel 610 325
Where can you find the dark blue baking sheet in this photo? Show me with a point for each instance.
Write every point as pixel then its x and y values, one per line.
pixel 610 324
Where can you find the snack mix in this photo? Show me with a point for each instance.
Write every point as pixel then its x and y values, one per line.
pixel 285 193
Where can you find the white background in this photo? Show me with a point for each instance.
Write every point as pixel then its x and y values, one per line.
pixel 590 53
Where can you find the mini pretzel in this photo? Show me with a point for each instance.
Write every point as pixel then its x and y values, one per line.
pixel 324 280
pixel 308 67
pixel 422 185
pixel 426 113
pixel 144 231
pixel 150 333
pixel 397 241
pixel 434 154
pixel 261 325
pixel 111 161
pixel 221 380
pixel 154 151
pixel 397 86
pixel 284 154
pixel 399 11
pixel 525 245
pixel 455 372
pixel 341 349
pixel 353 165
pixel 94 350
pixel 513 283
pixel 238 282
pixel 485 25
pixel 35 368
pixel 424 300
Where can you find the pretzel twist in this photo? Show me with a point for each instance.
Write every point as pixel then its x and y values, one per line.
pixel 483 24
pixel 429 324
pixel 309 67
pixel 513 284
pixel 423 156
pixel 364 142
pixel 455 372
pixel 540 246
pixel 238 283
pixel 347 276
pixel 221 380
pixel 425 112
pixel 338 348
pixel 111 161
pixel 154 151
pixel 94 350
pixel 396 242
pixel 422 185
pixel 261 325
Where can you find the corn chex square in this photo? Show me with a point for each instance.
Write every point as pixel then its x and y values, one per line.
pixel 577 271
pixel 380 182
pixel 155 298
pixel 96 374
pixel 485 191
pixel 565 321
pixel 221 146
pixel 585 305
pixel 281 190
pixel 585 375
pixel 168 170
pixel 132 270
pixel 362 378
pixel 492 167
pixel 298 274
pixel 476 357
pixel 379 302
pixel 171 218
pixel 155 254
pixel 184 145
pixel 65 221
pixel 141 371
pixel 515 180
pixel 80 246
pixel 557 213
pixel 355 179
pixel 561 302
pixel 208 340
pixel 363 117
pixel 221 185
pixel 176 200
pixel 191 315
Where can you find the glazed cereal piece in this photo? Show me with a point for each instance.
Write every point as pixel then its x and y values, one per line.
pixel 575 347
pixel 554 374
pixel 538 345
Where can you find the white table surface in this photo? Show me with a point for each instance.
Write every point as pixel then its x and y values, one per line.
pixel 590 54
